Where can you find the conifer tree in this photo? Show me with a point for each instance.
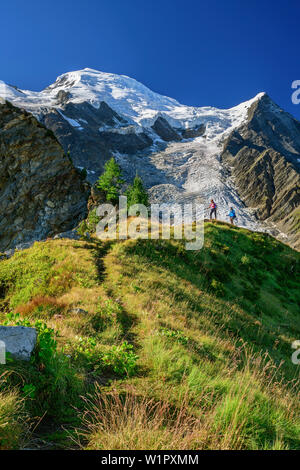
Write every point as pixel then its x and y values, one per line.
pixel 111 180
pixel 136 194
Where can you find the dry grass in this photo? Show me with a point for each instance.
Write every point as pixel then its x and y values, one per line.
pixel 128 420
pixel 14 422
pixel 42 301
pixel 131 422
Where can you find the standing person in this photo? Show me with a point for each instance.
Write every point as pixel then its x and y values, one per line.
pixel 232 215
pixel 213 209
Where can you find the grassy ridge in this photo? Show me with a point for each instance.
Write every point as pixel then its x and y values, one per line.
pixel 156 347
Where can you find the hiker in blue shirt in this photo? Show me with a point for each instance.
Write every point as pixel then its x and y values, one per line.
pixel 232 215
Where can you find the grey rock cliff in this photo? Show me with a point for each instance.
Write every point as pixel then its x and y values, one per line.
pixel 41 193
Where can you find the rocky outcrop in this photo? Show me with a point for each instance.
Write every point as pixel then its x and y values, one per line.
pixel 167 133
pixel 165 130
pixel 19 341
pixel 264 158
pixel 91 134
pixel 192 132
pixel 125 139
pixel 41 193
pixel 97 197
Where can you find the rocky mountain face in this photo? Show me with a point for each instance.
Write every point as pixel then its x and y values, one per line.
pixel 247 156
pixel 41 193
pixel 102 132
pixel 263 155
pixel 91 135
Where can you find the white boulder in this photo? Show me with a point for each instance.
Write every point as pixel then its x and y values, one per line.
pixel 19 341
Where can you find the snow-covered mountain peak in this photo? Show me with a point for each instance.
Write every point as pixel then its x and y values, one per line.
pixel 140 105
pixel 130 99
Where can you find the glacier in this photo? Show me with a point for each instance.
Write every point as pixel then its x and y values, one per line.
pixel 173 172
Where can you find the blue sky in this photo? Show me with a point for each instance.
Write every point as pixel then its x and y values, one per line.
pixel 212 52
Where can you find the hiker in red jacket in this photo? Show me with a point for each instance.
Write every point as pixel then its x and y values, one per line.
pixel 213 209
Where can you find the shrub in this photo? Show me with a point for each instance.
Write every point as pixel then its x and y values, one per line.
pixel 245 260
pixel 89 224
pixel 217 287
pixel 121 359
pixel 84 350
pixel 176 335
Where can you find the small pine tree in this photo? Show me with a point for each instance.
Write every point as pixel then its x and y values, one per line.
pixel 69 157
pixel 111 180
pixel 83 173
pixel 136 194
